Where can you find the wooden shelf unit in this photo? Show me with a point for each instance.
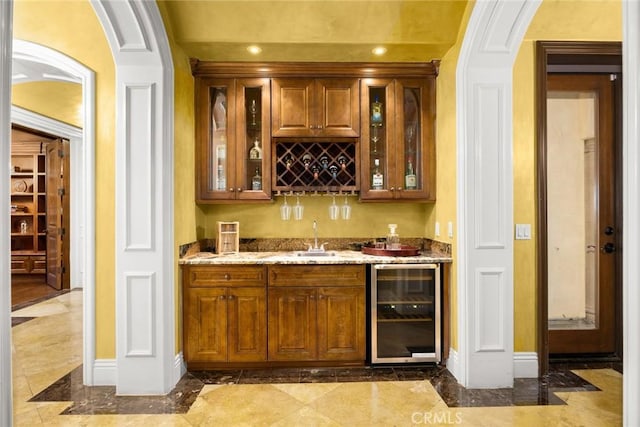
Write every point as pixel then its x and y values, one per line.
pixel 28 209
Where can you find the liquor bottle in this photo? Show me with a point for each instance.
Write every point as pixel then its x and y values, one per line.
pixel 377 179
pixel 256 152
pixel 256 181
pixel 376 113
pixel 410 177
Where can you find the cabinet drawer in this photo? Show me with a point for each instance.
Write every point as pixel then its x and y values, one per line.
pixel 224 275
pixel 317 275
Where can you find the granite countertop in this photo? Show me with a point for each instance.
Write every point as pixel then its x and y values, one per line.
pixel 299 257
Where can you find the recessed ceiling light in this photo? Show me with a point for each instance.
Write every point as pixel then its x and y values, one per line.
pixel 380 50
pixel 254 50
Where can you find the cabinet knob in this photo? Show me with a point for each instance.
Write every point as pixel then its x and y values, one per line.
pixel 222 297
pixel 230 297
pixel 392 189
pixel 239 190
pixel 312 297
pixel 227 276
pixel 319 126
pixel 320 296
pixel 231 189
pixel 312 127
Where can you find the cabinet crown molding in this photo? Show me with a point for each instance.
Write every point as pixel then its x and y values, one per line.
pixel 314 69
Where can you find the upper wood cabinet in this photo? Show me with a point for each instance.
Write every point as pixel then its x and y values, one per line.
pixel 306 107
pixel 398 139
pixel 317 126
pixel 233 139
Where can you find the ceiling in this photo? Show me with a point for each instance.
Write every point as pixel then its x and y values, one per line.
pixel 312 30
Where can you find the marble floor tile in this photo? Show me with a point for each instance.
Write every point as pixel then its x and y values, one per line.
pixel 48 390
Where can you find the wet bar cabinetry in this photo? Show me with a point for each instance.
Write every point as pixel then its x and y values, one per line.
pixel 253 315
pixel 267 127
pixel 317 313
pixel 398 139
pixel 316 107
pixel 225 314
pixel 233 139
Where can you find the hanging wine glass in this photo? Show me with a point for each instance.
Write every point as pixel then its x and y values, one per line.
pixel 285 210
pixel 346 209
pixel 298 210
pixel 334 209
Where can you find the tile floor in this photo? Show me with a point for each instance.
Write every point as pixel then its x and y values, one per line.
pixel 48 390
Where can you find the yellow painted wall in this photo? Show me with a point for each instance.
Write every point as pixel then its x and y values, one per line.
pixel 185 210
pixel 47 23
pixel 555 20
pixel 445 209
pixel 368 220
pixel 61 101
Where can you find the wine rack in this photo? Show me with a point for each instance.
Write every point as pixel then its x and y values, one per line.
pixel 319 166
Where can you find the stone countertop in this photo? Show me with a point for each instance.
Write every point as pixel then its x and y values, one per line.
pixel 299 257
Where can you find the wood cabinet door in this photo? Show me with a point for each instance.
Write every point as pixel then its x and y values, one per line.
pixel 205 314
pixel 247 321
pixel 415 139
pixel 55 201
pixel 341 323
pixel 292 324
pixel 292 112
pixel 337 107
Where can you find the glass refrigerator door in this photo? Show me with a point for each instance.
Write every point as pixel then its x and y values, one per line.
pixel 405 313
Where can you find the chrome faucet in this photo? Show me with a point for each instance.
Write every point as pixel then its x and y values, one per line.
pixel 315 247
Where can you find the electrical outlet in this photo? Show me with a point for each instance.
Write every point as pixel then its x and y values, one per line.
pixel 450 229
pixel 437 231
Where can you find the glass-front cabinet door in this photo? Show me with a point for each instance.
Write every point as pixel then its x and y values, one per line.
pixel 232 135
pixel 398 135
pixel 253 167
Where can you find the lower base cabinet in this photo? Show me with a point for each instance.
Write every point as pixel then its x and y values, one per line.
pixel 234 315
pixel 317 313
pixel 225 314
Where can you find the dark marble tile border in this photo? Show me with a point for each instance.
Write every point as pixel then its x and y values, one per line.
pixel 43 298
pixel 15 321
pixel 103 400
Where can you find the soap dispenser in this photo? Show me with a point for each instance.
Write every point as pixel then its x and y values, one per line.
pixel 393 240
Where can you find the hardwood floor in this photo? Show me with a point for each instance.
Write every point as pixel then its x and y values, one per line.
pixel 27 289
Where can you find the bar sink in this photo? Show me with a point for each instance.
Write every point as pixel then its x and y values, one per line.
pixel 315 253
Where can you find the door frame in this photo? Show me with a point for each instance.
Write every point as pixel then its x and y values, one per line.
pixel 571 57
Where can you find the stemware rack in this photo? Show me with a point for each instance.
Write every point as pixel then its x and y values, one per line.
pixel 315 166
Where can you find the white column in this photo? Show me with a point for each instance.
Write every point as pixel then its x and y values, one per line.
pixel 145 309
pixel 631 211
pixel 6 34
pixel 485 192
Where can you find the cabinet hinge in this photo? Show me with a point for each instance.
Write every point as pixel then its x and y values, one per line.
pixel 61 192
pixel 61 154
pixel 61 231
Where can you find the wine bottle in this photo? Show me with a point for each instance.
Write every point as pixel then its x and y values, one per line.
pixel 410 177
pixel 377 179
pixel 256 152
pixel 256 181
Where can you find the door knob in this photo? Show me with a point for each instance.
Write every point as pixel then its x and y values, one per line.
pixel 608 230
pixel 608 248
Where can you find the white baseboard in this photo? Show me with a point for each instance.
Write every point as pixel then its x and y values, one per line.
pixel 104 372
pixel 453 363
pixel 525 365
pixel 179 367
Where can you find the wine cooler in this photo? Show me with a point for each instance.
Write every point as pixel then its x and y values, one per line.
pixel 405 313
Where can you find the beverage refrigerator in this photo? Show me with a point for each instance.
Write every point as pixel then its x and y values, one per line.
pixel 405 313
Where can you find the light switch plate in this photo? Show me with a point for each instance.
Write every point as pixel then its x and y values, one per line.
pixel 437 231
pixel 523 231
pixel 450 229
